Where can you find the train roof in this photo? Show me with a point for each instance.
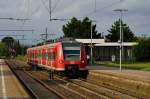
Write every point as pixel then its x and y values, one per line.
pixel 65 42
pixel 44 46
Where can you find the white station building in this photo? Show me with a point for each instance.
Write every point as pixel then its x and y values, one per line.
pixel 106 50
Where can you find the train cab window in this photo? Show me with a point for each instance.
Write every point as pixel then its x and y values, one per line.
pixel 72 53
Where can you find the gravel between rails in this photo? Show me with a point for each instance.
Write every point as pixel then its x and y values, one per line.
pixel 59 86
pixel 104 87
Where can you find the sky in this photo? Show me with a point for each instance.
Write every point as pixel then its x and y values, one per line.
pixel 101 11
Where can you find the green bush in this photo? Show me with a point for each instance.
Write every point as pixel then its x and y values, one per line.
pixel 4 53
pixel 21 58
pixel 142 50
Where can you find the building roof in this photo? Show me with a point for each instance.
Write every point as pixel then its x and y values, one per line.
pixel 117 44
pixel 89 40
pixel 101 42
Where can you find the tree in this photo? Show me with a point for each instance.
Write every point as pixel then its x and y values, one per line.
pixel 142 50
pixel 114 32
pixel 9 41
pixel 13 46
pixel 18 48
pixel 79 29
pixel 3 51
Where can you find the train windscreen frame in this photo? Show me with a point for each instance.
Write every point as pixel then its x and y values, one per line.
pixel 71 51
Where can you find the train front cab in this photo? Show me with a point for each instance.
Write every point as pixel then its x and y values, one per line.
pixel 74 59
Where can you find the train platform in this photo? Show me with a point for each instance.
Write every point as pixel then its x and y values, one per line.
pixel 10 87
pixel 125 73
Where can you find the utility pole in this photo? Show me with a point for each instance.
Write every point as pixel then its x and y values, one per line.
pixel 23 45
pixel 50 9
pixel 121 35
pixel 91 45
pixel 45 36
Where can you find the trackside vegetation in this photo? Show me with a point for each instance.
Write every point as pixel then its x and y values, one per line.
pixel 142 50
pixel 128 65
pixel 3 51
pixel 21 58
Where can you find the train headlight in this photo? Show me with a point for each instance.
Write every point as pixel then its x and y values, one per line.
pixel 61 61
pixel 82 61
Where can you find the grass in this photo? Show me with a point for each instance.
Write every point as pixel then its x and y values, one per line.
pixel 129 65
pixel 21 58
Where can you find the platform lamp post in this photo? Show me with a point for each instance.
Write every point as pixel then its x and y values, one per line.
pixel 121 35
pixel 91 45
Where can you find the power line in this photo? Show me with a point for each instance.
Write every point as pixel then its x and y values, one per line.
pixel 46 35
pixel 19 19
pixel 45 6
pixel 55 6
pixel 28 9
pixel 17 30
pixel 11 35
pixel 100 9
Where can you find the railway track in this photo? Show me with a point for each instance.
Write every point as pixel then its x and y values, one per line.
pixel 93 87
pixel 74 90
pixel 61 87
pixel 36 88
pixel 138 89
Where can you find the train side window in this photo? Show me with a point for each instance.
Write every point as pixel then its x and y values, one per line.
pixel 39 54
pixel 34 55
pixel 43 55
pixel 46 55
pixel 51 56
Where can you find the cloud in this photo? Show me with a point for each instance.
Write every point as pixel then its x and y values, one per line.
pixel 137 16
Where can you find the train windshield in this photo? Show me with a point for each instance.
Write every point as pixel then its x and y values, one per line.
pixel 72 53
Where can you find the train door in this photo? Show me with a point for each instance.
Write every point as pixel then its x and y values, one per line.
pixel 35 56
pixel 39 56
pixel 51 58
pixel 83 57
pixel 43 56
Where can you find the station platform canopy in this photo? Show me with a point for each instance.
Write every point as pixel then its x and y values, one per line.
pixel 101 42
pixel 95 41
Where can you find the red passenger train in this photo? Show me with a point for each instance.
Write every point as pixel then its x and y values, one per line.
pixel 68 57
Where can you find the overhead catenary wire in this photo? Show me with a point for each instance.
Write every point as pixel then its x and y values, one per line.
pixel 55 6
pixel 44 4
pixel 100 9
pixel 27 13
pixel 50 9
